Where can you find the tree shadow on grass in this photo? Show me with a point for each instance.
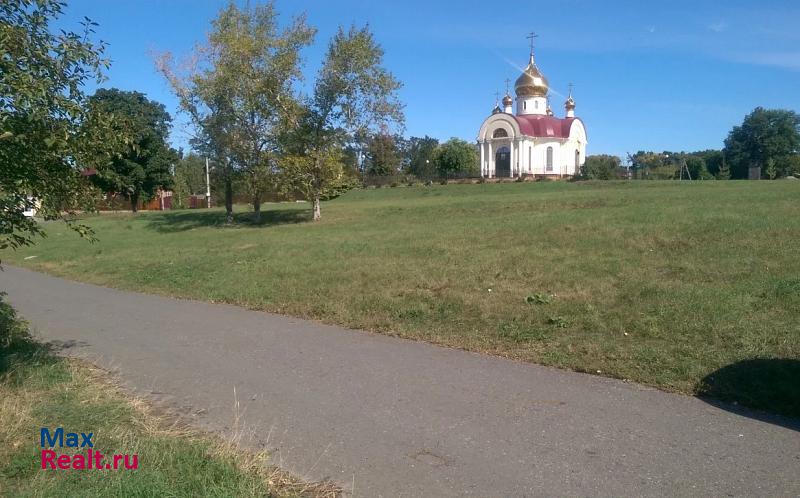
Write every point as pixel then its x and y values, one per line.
pixel 771 386
pixel 178 221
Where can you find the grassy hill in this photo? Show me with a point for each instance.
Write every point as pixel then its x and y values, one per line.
pixel 664 283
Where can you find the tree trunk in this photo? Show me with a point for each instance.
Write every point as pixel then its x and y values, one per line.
pixel 228 200
pixel 134 202
pixel 317 213
pixel 257 208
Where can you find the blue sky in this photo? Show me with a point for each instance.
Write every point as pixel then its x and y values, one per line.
pixel 648 75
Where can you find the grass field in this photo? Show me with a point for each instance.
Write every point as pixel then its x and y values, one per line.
pixel 38 389
pixel 673 284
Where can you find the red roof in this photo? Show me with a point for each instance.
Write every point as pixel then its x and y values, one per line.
pixel 535 125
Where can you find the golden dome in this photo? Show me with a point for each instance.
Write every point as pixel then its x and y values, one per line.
pixel 570 103
pixel 532 82
pixel 507 100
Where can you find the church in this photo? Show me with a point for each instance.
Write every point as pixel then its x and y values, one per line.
pixel 531 141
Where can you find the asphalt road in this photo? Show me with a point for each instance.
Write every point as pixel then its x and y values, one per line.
pixel 389 417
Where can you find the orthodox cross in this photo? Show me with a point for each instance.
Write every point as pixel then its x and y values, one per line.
pixel 532 37
pixel 507 82
pixel 496 97
pixel 570 89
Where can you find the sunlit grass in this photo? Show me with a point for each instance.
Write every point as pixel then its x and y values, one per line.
pixel 659 282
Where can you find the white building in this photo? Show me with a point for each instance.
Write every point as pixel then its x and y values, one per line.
pixel 532 141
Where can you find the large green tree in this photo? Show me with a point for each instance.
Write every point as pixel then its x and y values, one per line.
pixel 189 177
pixel 383 157
pixel 46 133
pixel 146 164
pixel 456 157
pixel 354 95
pixel 419 156
pixel 764 135
pixel 239 93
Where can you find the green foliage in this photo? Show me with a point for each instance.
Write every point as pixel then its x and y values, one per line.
pixel 12 329
pixel 653 166
pixel 353 96
pixel 771 171
pixel 419 156
pixel 189 178
pixel 697 167
pixel 240 94
pixel 712 159
pixel 789 165
pixel 763 135
pixel 146 163
pixel 455 157
pixel 383 156
pixel 724 172
pixel 601 167
pixel 46 133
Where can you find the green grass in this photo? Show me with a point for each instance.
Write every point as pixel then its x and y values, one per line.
pixel 664 283
pixel 38 389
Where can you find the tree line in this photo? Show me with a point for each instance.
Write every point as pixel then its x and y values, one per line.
pixel 385 159
pixel 766 145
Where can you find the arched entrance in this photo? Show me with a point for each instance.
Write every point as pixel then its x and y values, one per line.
pixel 502 161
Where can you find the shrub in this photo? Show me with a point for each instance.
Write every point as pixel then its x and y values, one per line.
pixel 12 328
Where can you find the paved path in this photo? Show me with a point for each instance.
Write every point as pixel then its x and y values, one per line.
pixel 401 418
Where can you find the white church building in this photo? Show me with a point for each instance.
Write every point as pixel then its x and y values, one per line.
pixel 532 141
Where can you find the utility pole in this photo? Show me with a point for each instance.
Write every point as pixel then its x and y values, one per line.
pixel 208 187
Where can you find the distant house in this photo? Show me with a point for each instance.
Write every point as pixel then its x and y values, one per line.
pixel 34 205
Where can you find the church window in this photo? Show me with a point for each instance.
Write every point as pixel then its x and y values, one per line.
pixel 577 159
pixel 549 159
pixel 499 133
pixel 535 104
pixel 524 105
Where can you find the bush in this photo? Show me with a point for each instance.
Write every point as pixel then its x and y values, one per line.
pixel 12 329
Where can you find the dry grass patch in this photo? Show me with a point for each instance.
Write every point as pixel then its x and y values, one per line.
pixel 39 390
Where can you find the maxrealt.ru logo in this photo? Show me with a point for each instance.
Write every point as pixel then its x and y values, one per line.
pixel 91 459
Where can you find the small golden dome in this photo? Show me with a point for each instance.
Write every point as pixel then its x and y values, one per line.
pixel 570 103
pixel 507 100
pixel 532 82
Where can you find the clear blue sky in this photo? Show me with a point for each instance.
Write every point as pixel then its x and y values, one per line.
pixel 648 75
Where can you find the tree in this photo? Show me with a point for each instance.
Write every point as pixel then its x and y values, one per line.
pixel 455 157
pixel 600 167
pixel 189 177
pixel 724 172
pixel 712 159
pixel 652 165
pixel 697 167
pixel 383 157
pixel 419 156
pixel 789 165
pixel 763 135
pixel 47 134
pixel 239 94
pixel 146 163
pixel 353 96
